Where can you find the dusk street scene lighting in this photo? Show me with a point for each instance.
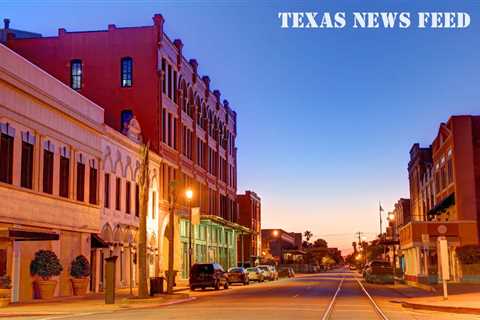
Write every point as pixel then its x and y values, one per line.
pixel 239 160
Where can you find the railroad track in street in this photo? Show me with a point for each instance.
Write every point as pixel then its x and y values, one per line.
pixel 352 298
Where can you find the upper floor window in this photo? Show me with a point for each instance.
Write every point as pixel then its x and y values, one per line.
pixel 6 158
pixel 126 72
pixel 27 160
pixel 80 181
pixel 47 171
pixel 118 186
pixel 93 184
pixel 76 74
pixel 127 197
pixel 64 174
pixel 107 191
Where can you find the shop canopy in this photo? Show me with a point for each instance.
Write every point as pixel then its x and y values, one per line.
pixel 442 206
pixel 20 234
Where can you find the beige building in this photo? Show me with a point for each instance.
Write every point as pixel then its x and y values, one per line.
pixel 50 163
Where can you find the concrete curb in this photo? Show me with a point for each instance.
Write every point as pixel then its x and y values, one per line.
pixel 44 314
pixel 419 306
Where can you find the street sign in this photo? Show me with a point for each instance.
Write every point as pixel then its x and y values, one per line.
pixel 444 263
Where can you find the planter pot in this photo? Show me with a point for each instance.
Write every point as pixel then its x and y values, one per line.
pixel 79 286
pixel 46 288
pixel 5 297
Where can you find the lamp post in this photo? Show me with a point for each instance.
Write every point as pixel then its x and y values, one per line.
pixel 189 195
pixel 391 217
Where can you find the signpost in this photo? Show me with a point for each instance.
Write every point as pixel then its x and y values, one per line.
pixel 444 264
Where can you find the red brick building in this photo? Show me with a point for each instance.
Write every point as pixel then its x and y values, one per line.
pixel 444 198
pixel 139 72
pixel 249 205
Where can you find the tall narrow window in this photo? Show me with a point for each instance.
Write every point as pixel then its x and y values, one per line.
pixel 127 197
pixel 126 72
pixel 6 158
pixel 64 176
pixel 76 74
pixel 93 182
pixel 175 133
pixel 118 187
pixel 175 87
pixel 169 81
pixel 47 171
pixel 80 181
pixel 27 165
pixel 169 129
pixel 164 126
pixel 164 72
pixel 450 171
pixel 154 203
pixel 106 196
pixel 137 200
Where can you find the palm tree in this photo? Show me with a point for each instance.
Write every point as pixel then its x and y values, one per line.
pixel 143 183
pixel 308 235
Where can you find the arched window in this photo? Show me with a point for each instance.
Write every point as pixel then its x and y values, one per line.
pixel 126 67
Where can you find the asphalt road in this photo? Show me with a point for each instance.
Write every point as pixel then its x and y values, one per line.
pixel 306 297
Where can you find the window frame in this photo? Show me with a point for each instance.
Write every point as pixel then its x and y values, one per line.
pixel 77 76
pixel 126 72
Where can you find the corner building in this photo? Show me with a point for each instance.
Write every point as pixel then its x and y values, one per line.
pixel 444 199
pixel 140 72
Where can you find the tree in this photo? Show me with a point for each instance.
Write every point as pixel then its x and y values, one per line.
pixel 172 203
pixel 308 235
pixel 354 245
pixel 143 183
pixel 320 243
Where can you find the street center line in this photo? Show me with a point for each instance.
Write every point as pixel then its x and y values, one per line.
pixel 330 306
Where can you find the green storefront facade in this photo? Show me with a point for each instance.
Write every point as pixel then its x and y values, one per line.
pixel 213 240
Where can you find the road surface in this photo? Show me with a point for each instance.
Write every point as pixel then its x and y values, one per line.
pixel 333 295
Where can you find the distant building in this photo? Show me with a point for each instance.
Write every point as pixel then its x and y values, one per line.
pixel 443 199
pixel 275 241
pixel 249 207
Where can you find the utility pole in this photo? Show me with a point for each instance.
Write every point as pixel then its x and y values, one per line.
pixel 380 210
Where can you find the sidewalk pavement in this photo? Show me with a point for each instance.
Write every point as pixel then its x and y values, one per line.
pixel 462 298
pixel 91 304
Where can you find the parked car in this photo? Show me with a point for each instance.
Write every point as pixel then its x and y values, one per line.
pixel 267 272
pixel 286 272
pixel 255 274
pixel 205 275
pixel 238 275
pixel 378 271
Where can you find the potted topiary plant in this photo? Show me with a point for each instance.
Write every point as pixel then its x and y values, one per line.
pixel 5 292
pixel 80 271
pixel 46 265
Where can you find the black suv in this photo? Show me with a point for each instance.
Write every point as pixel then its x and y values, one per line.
pixel 208 275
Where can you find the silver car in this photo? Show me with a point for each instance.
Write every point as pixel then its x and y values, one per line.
pixel 267 272
pixel 255 274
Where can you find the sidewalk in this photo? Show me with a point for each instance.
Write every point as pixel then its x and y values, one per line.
pixel 90 304
pixel 462 298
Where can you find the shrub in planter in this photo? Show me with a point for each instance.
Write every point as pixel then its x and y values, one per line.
pixel 80 270
pixel 46 265
pixel 5 292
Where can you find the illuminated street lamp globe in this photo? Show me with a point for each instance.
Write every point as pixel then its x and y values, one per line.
pixel 391 216
pixel 275 233
pixel 189 194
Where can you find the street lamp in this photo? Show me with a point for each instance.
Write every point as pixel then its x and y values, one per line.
pixel 189 195
pixel 275 233
pixel 391 217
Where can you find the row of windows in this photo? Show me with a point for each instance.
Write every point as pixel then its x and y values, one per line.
pixel 444 176
pixel 27 169
pixel 126 73
pixel 169 129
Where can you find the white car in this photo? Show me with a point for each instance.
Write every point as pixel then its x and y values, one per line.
pixel 255 274
pixel 267 272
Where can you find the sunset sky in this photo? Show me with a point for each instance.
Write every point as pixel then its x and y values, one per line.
pixel 326 118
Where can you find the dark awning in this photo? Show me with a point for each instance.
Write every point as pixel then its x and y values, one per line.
pixel 98 242
pixel 19 234
pixel 442 206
